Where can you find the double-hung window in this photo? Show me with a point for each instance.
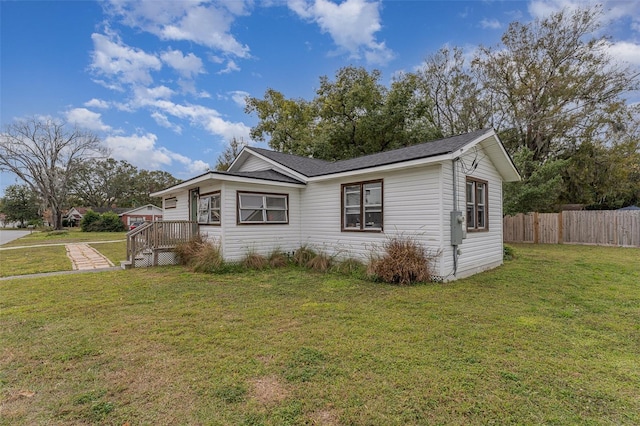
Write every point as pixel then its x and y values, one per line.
pixel 209 208
pixel 362 206
pixel 255 208
pixel 477 203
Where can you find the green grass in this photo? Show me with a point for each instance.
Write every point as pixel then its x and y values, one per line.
pixel 71 235
pixel 45 252
pixel 115 252
pixel 552 337
pixel 34 260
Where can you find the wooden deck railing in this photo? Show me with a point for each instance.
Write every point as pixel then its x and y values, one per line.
pixel 152 237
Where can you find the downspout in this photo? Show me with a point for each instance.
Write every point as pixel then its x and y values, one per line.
pixel 455 209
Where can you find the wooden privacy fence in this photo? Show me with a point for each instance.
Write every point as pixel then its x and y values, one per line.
pixel 599 227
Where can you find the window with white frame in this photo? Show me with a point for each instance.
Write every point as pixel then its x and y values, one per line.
pixel 362 206
pixel 477 205
pixel 209 208
pixel 257 208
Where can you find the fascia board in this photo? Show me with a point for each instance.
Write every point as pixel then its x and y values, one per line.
pixel 225 178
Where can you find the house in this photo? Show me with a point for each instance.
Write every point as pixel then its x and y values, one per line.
pixel 445 194
pixel 128 215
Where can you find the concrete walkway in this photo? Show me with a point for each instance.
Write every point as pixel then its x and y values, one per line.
pixel 84 257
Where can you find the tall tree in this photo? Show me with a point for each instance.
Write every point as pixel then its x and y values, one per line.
pixel 453 93
pixel 552 83
pixel 103 183
pixel 20 204
pixel 230 153
pixel 286 123
pixel 45 154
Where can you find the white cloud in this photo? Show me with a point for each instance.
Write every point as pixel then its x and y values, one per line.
pixel 612 10
pixel 231 67
pixel 142 152
pixel 163 121
pixel 239 97
pixel 203 22
pixel 188 66
pixel 492 24
pixel 351 24
pixel 86 119
pixel 123 63
pixel 97 103
pixel 625 52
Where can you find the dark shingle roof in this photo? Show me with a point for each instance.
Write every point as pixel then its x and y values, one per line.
pixel 311 167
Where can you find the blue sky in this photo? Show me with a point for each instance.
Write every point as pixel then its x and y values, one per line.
pixel 163 82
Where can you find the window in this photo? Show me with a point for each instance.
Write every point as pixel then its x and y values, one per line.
pixel 256 208
pixel 170 203
pixel 362 206
pixel 209 208
pixel 477 199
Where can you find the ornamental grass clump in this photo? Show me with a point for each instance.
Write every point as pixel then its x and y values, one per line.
pixel 200 255
pixel 321 262
pixel 303 255
pixel 404 261
pixel 254 260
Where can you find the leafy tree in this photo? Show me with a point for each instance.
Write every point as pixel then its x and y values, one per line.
pixel 287 123
pixel 45 155
pixel 20 204
pixel 230 153
pixel 103 184
pixel 109 183
pixel 147 182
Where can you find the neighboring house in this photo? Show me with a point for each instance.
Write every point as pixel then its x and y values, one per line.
pixel 147 213
pixel 446 194
pixel 128 215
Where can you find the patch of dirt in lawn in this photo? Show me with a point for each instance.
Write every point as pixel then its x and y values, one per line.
pixel 268 390
pixel 326 417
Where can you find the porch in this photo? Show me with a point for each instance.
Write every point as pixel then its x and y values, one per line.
pixel 154 243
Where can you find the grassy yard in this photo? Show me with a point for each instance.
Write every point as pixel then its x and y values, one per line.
pixel 45 251
pixel 73 235
pixel 552 337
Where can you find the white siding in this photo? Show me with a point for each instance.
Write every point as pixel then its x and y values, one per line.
pixel 411 206
pixel 238 240
pixel 253 164
pixel 479 250
pixel 181 212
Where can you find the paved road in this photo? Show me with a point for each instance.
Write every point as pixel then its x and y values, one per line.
pixel 10 235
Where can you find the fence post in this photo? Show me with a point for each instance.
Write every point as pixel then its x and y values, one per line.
pixel 560 229
pixel 536 228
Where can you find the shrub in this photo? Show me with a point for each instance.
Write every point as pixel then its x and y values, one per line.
pixel 320 262
pixel 106 222
pixel 509 252
pixel 303 255
pixel 200 255
pixel 404 261
pixel 88 219
pixel 254 260
pixel 277 259
pixel 111 222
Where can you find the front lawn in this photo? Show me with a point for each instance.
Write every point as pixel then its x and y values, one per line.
pixel 69 235
pixel 552 337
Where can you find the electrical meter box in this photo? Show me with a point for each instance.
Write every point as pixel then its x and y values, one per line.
pixel 458 228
